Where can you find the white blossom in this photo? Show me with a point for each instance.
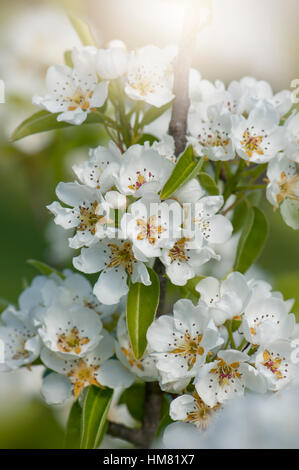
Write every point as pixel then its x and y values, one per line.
pixel 226 299
pixel 89 213
pixel 258 138
pixel 274 362
pixel 227 377
pixel 182 342
pixel 72 93
pixel 142 170
pixel 145 366
pixel 116 260
pixel 150 75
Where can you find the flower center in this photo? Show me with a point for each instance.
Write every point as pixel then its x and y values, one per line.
pixel 189 348
pixel 21 353
pixel 89 218
pixel 71 342
pixel 142 83
pixel 122 256
pixel 202 414
pixel 149 230
pixel 80 99
pixel 289 188
pixel 141 180
pixel 226 372
pixel 272 363
pixel 213 140
pixel 83 375
pixel 131 358
pixel 252 143
pixel 178 251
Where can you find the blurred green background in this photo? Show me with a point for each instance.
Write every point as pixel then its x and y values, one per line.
pixel 252 37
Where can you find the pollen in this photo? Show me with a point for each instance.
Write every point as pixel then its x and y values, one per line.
pixel 80 99
pixel 83 375
pixel 178 251
pixel 189 348
pixel 226 372
pixel 89 218
pixel 128 352
pixel 202 413
pixel 149 230
pixel 71 342
pixel 272 363
pixel 288 188
pixel 122 256
pixel 252 144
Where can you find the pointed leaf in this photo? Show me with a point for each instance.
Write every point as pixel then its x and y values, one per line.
pixel 208 183
pixel 44 121
pixel 186 168
pixel 142 304
pixel 134 398
pixel 83 31
pixel 95 409
pixel 3 304
pixel 73 427
pixel 44 268
pixel 252 240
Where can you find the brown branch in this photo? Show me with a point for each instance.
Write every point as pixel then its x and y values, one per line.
pixel 178 123
pixel 143 438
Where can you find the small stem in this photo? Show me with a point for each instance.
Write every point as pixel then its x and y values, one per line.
pixel 232 206
pixel 242 344
pixel 228 326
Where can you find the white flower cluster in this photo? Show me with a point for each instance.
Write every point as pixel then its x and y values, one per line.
pixel 240 335
pixel 60 322
pixel 78 91
pixel 247 120
pixel 196 353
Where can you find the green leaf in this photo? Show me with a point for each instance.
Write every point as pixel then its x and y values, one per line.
pixel 208 183
pixel 186 168
pixel 252 240
pixel 73 427
pixel 44 121
pixel 134 398
pixel 188 291
pixel 153 113
pixel 83 31
pixel 44 268
pixel 239 216
pixel 165 418
pixel 147 138
pixel 3 304
pixel 289 210
pixel 95 409
pixel 142 304
pixel 240 212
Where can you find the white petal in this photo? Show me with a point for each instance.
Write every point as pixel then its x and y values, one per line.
pixel 92 259
pixel 56 389
pixel 113 374
pixel 111 286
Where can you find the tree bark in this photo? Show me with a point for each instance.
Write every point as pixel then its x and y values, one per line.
pixel 178 123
